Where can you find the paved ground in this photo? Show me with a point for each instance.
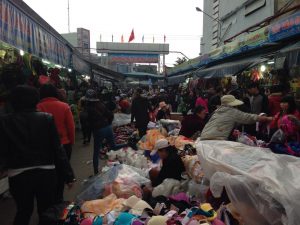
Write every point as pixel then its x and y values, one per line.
pixel 81 154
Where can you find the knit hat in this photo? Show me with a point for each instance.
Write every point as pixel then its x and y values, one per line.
pixel 208 208
pixel 124 219
pixel 158 220
pixel 139 207
pixel 98 220
pixel 130 202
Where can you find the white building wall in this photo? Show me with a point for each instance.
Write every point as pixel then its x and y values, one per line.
pixel 234 16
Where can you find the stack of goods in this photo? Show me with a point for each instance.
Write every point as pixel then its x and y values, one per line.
pixel 129 157
pixel 247 139
pixel 149 140
pixel 121 119
pixel 173 210
pixel 180 141
pixel 121 180
pixel 123 133
pixel 170 125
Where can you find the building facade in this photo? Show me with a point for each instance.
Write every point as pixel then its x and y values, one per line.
pixel 80 40
pixel 132 57
pixel 228 18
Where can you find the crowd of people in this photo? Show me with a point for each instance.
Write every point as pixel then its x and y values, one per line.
pixel 37 136
pixel 215 108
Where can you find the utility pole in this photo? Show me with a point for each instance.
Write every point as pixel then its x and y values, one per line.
pixel 69 16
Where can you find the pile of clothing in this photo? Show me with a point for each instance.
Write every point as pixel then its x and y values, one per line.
pixel 121 180
pixel 247 139
pixel 148 141
pixel 172 210
pixel 123 133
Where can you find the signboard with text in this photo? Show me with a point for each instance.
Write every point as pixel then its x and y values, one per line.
pixel 133 58
pixel 22 32
pixel 285 28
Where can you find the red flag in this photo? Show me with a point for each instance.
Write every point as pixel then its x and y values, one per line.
pixel 122 39
pixel 131 38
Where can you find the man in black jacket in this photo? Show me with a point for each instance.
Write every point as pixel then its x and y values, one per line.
pixel 32 154
pixel 140 112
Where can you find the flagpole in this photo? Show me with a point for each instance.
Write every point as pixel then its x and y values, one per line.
pixel 69 16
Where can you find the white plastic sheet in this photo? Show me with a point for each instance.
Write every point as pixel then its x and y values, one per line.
pixel 121 119
pixel 263 187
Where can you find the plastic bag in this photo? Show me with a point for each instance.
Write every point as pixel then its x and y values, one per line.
pixel 193 168
pixel 129 157
pixel 121 119
pixel 254 204
pixel 198 190
pixel 243 138
pixel 262 186
pixel 278 137
pixel 117 179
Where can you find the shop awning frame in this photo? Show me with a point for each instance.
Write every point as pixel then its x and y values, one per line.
pixel 291 54
pixel 173 80
pixel 229 68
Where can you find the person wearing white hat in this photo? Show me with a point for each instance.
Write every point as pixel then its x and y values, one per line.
pixel 172 165
pixel 226 117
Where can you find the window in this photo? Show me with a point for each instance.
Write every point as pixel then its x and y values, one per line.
pixel 253 5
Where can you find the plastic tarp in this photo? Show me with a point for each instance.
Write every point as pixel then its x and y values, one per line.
pixel 121 119
pixel 123 179
pixel 228 68
pixel 263 186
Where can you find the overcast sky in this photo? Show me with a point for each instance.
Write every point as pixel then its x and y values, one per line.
pixel 177 19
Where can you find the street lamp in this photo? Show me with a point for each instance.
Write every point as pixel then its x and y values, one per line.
pixel 215 19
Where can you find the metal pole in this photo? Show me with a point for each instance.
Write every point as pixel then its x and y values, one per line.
pixel 164 64
pixel 158 72
pixel 69 16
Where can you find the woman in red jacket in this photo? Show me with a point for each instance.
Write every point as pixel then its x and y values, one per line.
pixel 282 119
pixel 63 120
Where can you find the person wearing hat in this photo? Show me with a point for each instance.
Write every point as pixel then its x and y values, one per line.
pixel 226 117
pixel 172 165
pixel 100 121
